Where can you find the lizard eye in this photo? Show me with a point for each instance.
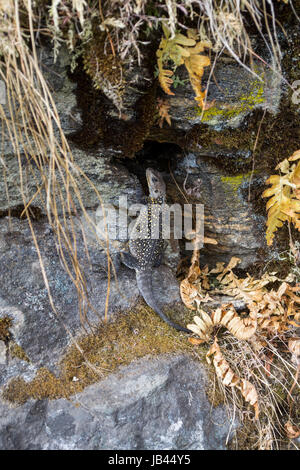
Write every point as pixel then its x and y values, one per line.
pixel 154 179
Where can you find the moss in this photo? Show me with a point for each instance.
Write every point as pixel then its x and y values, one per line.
pixel 105 69
pixel 225 112
pixel 5 335
pixel 138 131
pixel 235 181
pixel 15 350
pixel 229 149
pixel 44 385
pixel 232 149
pixel 100 126
pixel 5 324
pixel 131 336
pixel 36 213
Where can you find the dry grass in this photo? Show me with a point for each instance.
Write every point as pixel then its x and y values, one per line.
pixel 128 25
pixel 272 373
pixel 225 23
pixel 31 124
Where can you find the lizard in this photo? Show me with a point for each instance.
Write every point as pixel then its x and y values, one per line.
pixel 145 252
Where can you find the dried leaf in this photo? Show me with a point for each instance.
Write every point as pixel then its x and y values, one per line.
pixel 248 391
pixel 210 241
pixel 182 50
pixel 229 378
pixel 165 80
pixel 269 310
pixel 195 64
pixel 232 264
pixel 188 294
pixel 190 288
pixel 218 269
pixel 291 430
pixel 241 328
pixel 194 272
pixel 183 40
pixel 163 112
pixel 202 326
pixel 196 341
pixel 283 166
pixel 295 156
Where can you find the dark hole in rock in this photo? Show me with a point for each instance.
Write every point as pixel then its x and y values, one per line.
pixel 160 156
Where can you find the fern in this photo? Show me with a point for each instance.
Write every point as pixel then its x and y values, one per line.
pixel 285 196
pixel 195 64
pixel 182 50
pixel 166 81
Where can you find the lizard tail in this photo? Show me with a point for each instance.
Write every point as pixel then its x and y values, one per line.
pixel 144 282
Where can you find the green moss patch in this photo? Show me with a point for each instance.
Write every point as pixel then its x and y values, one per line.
pixel 234 182
pixel 130 336
pixel 224 112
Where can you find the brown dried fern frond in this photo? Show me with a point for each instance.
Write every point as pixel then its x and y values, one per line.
pixel 257 371
pixel 230 379
pixel 284 194
pixel 180 50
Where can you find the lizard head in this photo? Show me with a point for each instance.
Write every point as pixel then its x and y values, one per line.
pixel 156 184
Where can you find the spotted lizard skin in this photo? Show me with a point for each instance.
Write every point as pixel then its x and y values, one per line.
pixel 146 244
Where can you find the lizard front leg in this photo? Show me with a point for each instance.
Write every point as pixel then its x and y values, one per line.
pixel 129 260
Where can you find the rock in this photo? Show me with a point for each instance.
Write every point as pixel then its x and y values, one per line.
pixel 2 352
pixel 63 92
pixel 233 94
pixel 151 404
pixel 111 181
pixel 30 310
pixel 229 218
pixel 62 88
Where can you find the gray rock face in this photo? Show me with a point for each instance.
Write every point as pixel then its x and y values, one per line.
pixel 150 404
pixel 229 218
pixel 236 93
pixel 35 327
pixel 62 89
pixel 111 180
